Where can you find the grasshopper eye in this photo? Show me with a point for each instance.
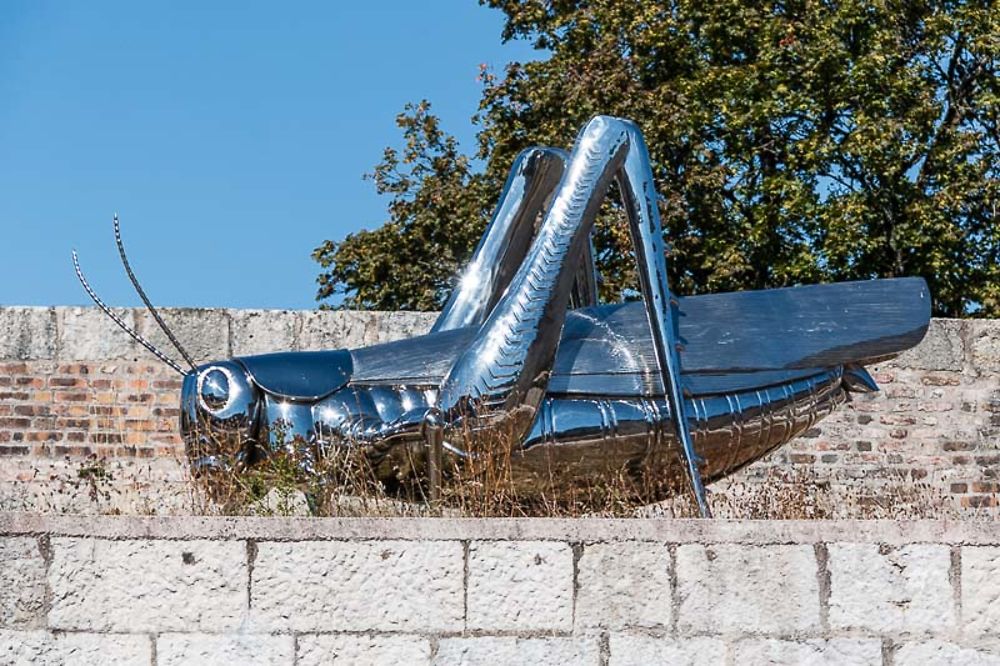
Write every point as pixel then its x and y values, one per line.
pixel 219 413
pixel 214 389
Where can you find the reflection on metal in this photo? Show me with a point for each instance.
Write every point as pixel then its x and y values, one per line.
pixel 666 388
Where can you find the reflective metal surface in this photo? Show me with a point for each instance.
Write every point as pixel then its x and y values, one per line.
pixel 636 183
pixel 575 438
pixel 501 251
pixel 662 390
pixel 220 413
pixel 501 376
pixel 608 349
pixel 213 389
pixel 306 375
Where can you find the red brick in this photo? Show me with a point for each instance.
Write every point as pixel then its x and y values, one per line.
pixel 979 501
pixel 71 396
pixel 67 382
pixel 43 436
pixel 80 451
pixel 32 410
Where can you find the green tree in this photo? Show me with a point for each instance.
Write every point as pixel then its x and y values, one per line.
pixel 792 142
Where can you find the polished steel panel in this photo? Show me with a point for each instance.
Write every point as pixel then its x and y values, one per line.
pixel 502 374
pixel 634 440
pixel 501 250
pixel 287 425
pixel 304 375
pixel 219 419
pixel 776 329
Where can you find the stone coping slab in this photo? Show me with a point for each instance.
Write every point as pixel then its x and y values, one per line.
pixel 68 334
pixel 582 530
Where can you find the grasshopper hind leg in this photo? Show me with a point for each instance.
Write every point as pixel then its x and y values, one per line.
pixel 527 194
pixel 499 381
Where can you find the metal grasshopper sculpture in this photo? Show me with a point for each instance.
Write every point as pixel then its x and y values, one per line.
pixel 695 387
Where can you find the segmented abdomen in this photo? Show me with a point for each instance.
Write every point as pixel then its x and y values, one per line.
pixel 730 430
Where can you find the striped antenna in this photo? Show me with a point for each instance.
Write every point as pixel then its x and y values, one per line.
pixel 142 294
pixel 115 318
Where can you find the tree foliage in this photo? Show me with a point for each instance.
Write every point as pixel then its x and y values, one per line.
pixel 792 142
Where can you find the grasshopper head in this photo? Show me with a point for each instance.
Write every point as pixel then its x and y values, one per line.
pixel 220 414
pixel 234 411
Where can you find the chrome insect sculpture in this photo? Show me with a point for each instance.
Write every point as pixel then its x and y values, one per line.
pixel 692 388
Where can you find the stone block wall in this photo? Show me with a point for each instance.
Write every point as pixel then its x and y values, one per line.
pixel 121 590
pixel 88 418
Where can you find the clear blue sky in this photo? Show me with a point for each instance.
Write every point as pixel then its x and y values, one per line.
pixel 231 137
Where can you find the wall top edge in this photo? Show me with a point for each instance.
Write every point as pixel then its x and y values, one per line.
pixel 75 333
pixel 211 308
pixel 582 530
pixel 196 309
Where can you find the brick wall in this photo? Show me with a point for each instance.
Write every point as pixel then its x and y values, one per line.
pixel 930 437
pixel 121 590
pixel 88 420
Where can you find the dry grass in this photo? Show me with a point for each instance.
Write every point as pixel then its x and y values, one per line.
pixel 489 483
pixel 799 495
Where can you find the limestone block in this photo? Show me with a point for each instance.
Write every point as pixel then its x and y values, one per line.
pixel 902 589
pixel 358 586
pixel 941 348
pixel 27 333
pixel 520 585
pixel 337 329
pixel 981 589
pixel 242 649
pixel 138 486
pixel 391 326
pixel 344 329
pixel 281 502
pixel 203 332
pixel 87 334
pixel 623 584
pixel 834 652
pixel 263 331
pixel 984 343
pixel 642 650
pixel 41 648
pixel 733 588
pixel 22 583
pixel 511 651
pixel 942 653
pixel 363 650
pixel 147 585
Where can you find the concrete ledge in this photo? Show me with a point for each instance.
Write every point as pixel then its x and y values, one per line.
pixel 582 530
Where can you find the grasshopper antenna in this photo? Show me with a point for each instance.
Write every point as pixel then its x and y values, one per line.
pixel 115 318
pixel 142 294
